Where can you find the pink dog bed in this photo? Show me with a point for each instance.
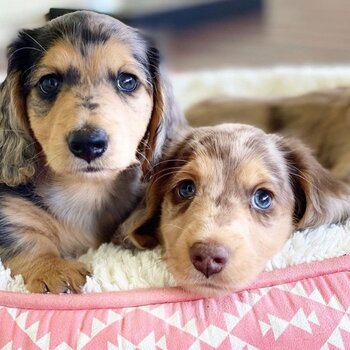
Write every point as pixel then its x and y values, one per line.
pixel 301 307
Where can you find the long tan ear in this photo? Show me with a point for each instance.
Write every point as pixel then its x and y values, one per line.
pixel 320 198
pixel 17 148
pixel 167 118
pixel 141 227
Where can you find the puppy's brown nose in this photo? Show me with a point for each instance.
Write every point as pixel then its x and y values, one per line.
pixel 88 143
pixel 208 258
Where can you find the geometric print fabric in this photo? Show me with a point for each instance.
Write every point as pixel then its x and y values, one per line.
pixel 308 313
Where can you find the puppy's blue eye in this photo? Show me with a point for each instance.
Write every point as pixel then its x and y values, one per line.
pixel 187 189
pixel 262 199
pixel 126 82
pixel 49 85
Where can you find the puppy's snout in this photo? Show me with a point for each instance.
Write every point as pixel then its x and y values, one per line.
pixel 88 143
pixel 208 258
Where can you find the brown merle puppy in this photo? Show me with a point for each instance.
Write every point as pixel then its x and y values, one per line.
pixel 83 108
pixel 227 198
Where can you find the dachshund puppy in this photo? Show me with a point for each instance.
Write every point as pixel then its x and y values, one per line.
pixel 227 198
pixel 84 109
pixel 320 119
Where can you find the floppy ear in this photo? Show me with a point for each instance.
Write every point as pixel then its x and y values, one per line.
pixel 17 148
pixel 320 198
pixel 141 227
pixel 167 118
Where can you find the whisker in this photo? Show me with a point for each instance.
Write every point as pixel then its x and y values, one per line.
pixel 37 42
pixel 170 173
pixel 176 226
pixel 25 48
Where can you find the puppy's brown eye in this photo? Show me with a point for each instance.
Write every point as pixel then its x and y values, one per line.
pixel 126 82
pixel 261 199
pixel 186 189
pixel 49 85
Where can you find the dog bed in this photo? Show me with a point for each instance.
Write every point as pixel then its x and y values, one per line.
pixel 300 301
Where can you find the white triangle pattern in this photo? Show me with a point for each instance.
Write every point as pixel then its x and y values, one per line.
pixel 316 296
pixel 44 341
pixel 158 312
pixel 299 320
pixel 32 331
pixel 83 339
pixel 96 327
pixel 335 338
pixel 125 344
pixel 175 320
pixel 195 346
pixel 313 318
pixel 12 312
pixel 191 327
pixel 254 298
pixel 264 327
pixel 231 321
pixel 237 343
pixel 335 304
pixel 63 346
pixel 298 289
pixel 148 342
pixel 279 325
pixel 8 346
pixel 162 343
pixel 111 346
pixel 242 308
pixel 345 323
pixel 113 317
pixel 213 336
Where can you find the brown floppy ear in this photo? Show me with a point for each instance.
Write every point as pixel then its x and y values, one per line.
pixel 320 198
pixel 17 148
pixel 167 118
pixel 142 226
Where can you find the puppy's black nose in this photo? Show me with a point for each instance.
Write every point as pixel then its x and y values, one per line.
pixel 88 143
pixel 208 258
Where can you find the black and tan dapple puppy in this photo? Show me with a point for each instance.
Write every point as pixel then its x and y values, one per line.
pixel 84 111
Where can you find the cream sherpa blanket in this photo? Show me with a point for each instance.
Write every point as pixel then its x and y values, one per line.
pixel 116 269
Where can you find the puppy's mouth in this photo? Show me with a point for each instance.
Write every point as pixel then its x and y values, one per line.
pixel 90 169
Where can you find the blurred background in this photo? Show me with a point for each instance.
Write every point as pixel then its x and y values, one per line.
pixel 210 34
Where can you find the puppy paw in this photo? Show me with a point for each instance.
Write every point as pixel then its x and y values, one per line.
pixel 55 275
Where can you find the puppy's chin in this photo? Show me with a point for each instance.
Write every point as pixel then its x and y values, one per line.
pixel 216 285
pixel 93 172
pixel 209 289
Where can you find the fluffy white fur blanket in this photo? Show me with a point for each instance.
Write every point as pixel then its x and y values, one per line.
pixel 116 269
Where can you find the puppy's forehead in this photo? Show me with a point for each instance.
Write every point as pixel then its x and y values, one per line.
pixel 231 144
pixel 99 59
pixel 83 40
pixel 236 152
